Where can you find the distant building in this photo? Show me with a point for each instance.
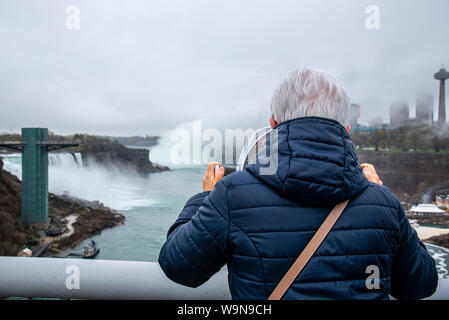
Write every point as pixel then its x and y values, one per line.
pixel 370 129
pixel 399 115
pixel 442 76
pixel 424 109
pixel 410 122
pixel 354 115
pixel 375 122
pixel 426 210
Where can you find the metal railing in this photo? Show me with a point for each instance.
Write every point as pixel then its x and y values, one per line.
pixel 99 279
pixel 110 279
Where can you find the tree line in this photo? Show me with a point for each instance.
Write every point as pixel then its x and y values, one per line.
pixel 141 141
pixel 422 138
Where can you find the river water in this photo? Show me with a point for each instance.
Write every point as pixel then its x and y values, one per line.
pixel 151 204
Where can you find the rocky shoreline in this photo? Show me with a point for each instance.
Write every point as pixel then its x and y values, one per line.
pixel 91 218
pixel 442 240
pixel 439 221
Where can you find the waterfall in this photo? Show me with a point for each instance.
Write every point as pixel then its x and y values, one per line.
pixel 12 162
pixel 66 160
pixel 78 159
pixel 112 186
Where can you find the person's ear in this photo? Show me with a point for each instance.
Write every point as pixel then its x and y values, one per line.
pixel 348 128
pixel 273 123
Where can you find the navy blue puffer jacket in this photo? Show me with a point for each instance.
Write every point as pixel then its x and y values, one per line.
pixel 258 225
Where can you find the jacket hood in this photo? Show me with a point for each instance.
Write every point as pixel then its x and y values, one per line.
pixel 316 163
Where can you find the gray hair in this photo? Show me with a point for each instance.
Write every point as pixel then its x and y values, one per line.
pixel 310 92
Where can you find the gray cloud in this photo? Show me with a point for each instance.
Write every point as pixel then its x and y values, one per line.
pixel 146 66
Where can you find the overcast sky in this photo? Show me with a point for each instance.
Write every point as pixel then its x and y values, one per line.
pixel 138 67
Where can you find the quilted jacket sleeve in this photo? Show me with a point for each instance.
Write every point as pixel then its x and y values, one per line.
pixel 414 275
pixel 196 246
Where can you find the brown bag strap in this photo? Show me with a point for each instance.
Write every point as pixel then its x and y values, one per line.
pixel 308 251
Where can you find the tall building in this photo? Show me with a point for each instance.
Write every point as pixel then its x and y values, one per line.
pixel 424 109
pixel 399 114
pixel 442 76
pixel 354 115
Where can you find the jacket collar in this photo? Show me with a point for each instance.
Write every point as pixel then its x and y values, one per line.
pixel 315 162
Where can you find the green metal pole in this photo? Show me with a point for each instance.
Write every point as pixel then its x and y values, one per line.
pixel 34 176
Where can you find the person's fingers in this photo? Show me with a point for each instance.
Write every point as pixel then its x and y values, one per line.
pixel 210 171
pixel 373 171
pixel 366 165
pixel 368 168
pixel 211 178
pixel 370 172
pixel 219 174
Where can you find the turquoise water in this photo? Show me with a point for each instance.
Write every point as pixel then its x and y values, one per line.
pixel 146 226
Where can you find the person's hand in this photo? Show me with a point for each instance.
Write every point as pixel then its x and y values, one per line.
pixel 370 173
pixel 211 178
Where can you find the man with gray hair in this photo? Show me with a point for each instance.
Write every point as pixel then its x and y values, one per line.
pixel 258 223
